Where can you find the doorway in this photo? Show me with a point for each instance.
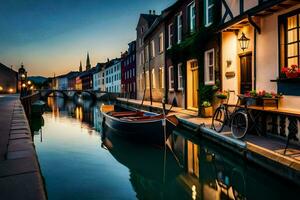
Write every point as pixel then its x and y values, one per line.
pixel 192 84
pixel 246 73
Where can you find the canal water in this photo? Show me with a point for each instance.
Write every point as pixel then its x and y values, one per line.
pixel 78 160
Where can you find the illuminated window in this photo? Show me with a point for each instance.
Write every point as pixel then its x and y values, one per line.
pixel 161 43
pixel 290 39
pixel 153 79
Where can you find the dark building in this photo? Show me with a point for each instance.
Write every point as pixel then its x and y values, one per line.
pixel 128 70
pixel 87 79
pixel 72 80
pixel 8 80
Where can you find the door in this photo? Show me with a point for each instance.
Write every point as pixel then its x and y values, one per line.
pixel 246 73
pixel 195 88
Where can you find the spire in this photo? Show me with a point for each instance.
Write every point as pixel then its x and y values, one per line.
pixel 80 67
pixel 88 64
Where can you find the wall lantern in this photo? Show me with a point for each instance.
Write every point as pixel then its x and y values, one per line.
pixel 244 42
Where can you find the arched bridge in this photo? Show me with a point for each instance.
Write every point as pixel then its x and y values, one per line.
pixel 70 94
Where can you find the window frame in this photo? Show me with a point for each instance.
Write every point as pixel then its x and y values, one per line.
pixel 179 77
pixel 171 70
pixel 171 35
pixel 153 78
pixel 283 38
pixel 207 8
pixel 192 16
pixel 161 43
pixel 152 48
pixel 207 67
pixel 179 27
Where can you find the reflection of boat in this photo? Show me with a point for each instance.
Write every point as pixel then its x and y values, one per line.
pixel 143 159
pixel 144 126
pixel 38 107
pixel 153 171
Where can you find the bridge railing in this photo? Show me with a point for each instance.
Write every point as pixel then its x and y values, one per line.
pixel 27 102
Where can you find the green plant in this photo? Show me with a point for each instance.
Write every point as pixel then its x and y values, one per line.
pixel 206 104
pixel 206 93
pixel 221 95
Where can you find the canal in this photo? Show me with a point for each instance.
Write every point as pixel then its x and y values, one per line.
pixel 79 160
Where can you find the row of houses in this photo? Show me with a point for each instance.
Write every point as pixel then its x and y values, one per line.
pixel 239 45
pixel 196 45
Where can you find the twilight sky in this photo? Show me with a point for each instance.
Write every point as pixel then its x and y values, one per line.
pixel 52 36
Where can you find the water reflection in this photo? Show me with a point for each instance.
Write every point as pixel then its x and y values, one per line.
pixel 188 168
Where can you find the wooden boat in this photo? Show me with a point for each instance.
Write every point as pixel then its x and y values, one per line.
pixel 139 125
pixel 38 108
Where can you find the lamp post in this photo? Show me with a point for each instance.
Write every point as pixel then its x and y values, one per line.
pixel 244 42
pixel 22 79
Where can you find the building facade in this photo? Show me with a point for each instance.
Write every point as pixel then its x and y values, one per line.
pixel 154 42
pixel 144 23
pixel 128 68
pixel 182 65
pixel 99 77
pixel 113 76
pixel 8 80
pixel 270 29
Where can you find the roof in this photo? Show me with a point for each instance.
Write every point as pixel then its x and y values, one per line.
pixel 5 68
pixel 149 18
pixel 88 72
pixel 160 19
pixel 112 62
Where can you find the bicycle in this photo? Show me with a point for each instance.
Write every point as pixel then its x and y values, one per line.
pixel 237 120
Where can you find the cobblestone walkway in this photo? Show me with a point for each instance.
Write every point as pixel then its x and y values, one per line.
pixel 20 176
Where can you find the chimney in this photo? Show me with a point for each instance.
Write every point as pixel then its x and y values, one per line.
pixel 150 12
pixel 153 12
pixel 107 59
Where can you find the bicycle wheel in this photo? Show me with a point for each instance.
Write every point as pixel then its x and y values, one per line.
pixel 239 124
pixel 218 120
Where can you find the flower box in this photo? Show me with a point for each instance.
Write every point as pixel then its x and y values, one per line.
pixel 207 111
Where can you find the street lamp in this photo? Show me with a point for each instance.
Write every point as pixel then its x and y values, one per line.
pixel 244 42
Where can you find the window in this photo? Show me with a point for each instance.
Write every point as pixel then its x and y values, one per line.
pixel 192 16
pixel 179 27
pixel 170 33
pixel 147 80
pixel 161 43
pixel 161 78
pixel 209 75
pixel 146 53
pixel 290 39
pixel 152 46
pixel 209 4
pixel 153 79
pixel 180 85
pixel 142 57
pixel 171 78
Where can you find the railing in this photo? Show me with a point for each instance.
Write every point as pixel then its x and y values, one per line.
pixel 27 102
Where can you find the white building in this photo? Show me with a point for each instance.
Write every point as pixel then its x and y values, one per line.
pixel 99 77
pixel 113 76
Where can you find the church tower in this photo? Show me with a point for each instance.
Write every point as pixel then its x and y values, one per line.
pixel 88 64
pixel 80 67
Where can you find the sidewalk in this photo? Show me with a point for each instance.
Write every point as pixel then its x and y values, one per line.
pixel 20 176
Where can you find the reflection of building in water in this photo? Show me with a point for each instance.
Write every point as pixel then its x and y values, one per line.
pixel 206 175
pixel 97 118
pixel 79 113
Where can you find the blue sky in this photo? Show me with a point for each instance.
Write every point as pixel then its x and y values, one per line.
pixel 52 36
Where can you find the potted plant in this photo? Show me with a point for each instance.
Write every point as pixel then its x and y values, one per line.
pixel 290 72
pixel 206 109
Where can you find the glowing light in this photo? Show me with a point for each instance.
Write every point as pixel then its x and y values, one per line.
pixel 23 75
pixel 1 88
pixel 32 87
pixel 29 82
pixel 11 90
pixel 194 192
pixel 23 85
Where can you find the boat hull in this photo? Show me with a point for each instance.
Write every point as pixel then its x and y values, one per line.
pixel 146 131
